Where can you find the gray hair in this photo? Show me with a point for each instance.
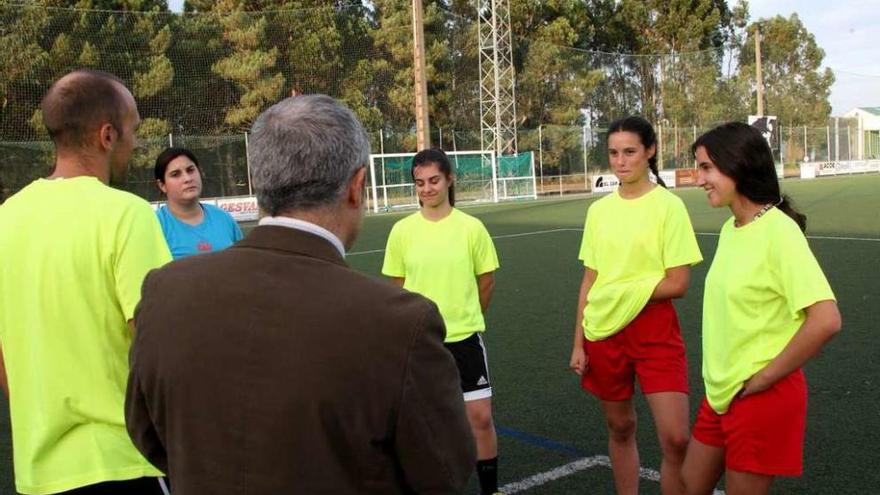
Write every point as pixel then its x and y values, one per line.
pixel 303 151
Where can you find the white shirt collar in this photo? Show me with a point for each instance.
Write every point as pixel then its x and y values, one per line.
pixel 295 223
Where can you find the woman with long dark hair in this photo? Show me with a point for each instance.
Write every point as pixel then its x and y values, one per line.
pixel 638 246
pixel 447 256
pixel 767 310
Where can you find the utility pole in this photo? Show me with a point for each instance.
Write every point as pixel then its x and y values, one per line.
pixel 423 135
pixel 758 74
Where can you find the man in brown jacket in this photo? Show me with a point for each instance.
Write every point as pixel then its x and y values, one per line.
pixel 274 368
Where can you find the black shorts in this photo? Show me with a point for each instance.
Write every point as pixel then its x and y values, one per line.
pixel 470 357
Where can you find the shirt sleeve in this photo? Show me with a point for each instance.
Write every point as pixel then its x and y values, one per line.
pixel 485 257
pixel 801 278
pixel 679 242
pixel 588 252
pixel 140 247
pixel 393 265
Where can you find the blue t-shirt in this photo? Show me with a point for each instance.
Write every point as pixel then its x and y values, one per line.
pixel 217 231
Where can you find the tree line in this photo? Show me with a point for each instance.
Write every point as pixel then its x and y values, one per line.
pixel 212 69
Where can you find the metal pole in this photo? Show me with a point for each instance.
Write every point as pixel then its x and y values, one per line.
pixel 541 155
pixel 849 142
pixel 781 147
pixel 384 186
pixel 534 186
pixel 861 142
pixel 584 141
pixel 806 153
pixel 171 140
pixel 827 143
pixel 494 177
pixel 675 134
pixel 695 139
pixel 247 161
pixel 837 139
pixel 659 146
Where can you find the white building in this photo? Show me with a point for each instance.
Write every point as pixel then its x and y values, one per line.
pixel 868 119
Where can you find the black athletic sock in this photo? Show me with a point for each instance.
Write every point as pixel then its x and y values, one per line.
pixel 487 472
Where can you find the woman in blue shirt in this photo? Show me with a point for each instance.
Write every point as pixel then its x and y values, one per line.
pixel 190 227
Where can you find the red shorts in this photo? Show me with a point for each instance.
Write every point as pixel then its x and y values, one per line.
pixel 650 347
pixel 761 433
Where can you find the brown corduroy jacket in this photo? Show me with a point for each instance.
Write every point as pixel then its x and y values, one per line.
pixel 274 368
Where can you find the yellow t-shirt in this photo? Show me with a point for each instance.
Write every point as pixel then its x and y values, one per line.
pixel 441 260
pixel 761 279
pixel 74 255
pixel 631 243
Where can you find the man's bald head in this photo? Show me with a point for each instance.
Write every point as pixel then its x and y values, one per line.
pixel 80 103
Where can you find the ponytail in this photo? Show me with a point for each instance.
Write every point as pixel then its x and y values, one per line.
pixel 786 206
pixel 652 164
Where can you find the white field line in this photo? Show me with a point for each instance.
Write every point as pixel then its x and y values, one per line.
pixel 506 236
pixel 570 469
pixel 551 231
pixel 822 237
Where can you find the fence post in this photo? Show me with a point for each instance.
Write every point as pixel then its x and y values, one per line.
pixel 586 181
pixel 782 147
pixel 849 142
pixel 675 136
pixel 541 155
pixel 247 161
pixel 170 141
pixel 836 139
pixel 384 187
pixel 827 143
pixel 806 153
pixel 494 177
pixel 659 146
pixel 695 140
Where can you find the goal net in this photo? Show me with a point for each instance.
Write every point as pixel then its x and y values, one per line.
pixel 480 176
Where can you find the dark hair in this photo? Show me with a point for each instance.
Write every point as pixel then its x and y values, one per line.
pixel 438 157
pixel 81 102
pixel 741 153
pixel 645 131
pixel 167 156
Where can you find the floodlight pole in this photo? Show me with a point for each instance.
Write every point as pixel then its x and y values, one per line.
pixel 423 136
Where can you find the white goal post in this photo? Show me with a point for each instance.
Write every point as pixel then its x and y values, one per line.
pixel 479 177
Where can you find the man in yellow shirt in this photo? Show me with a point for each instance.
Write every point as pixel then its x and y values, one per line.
pixel 75 253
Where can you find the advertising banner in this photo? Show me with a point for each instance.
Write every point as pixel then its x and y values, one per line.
pixel 242 208
pixel 685 177
pixel 604 183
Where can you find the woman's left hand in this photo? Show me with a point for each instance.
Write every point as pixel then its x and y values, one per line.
pixel 756 384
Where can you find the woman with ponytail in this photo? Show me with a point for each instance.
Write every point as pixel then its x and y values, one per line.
pixel 767 310
pixel 637 249
pixel 448 256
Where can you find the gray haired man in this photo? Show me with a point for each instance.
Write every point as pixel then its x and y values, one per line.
pixel 272 367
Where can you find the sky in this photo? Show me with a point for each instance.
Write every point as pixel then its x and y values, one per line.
pixel 847 31
pixel 843 28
